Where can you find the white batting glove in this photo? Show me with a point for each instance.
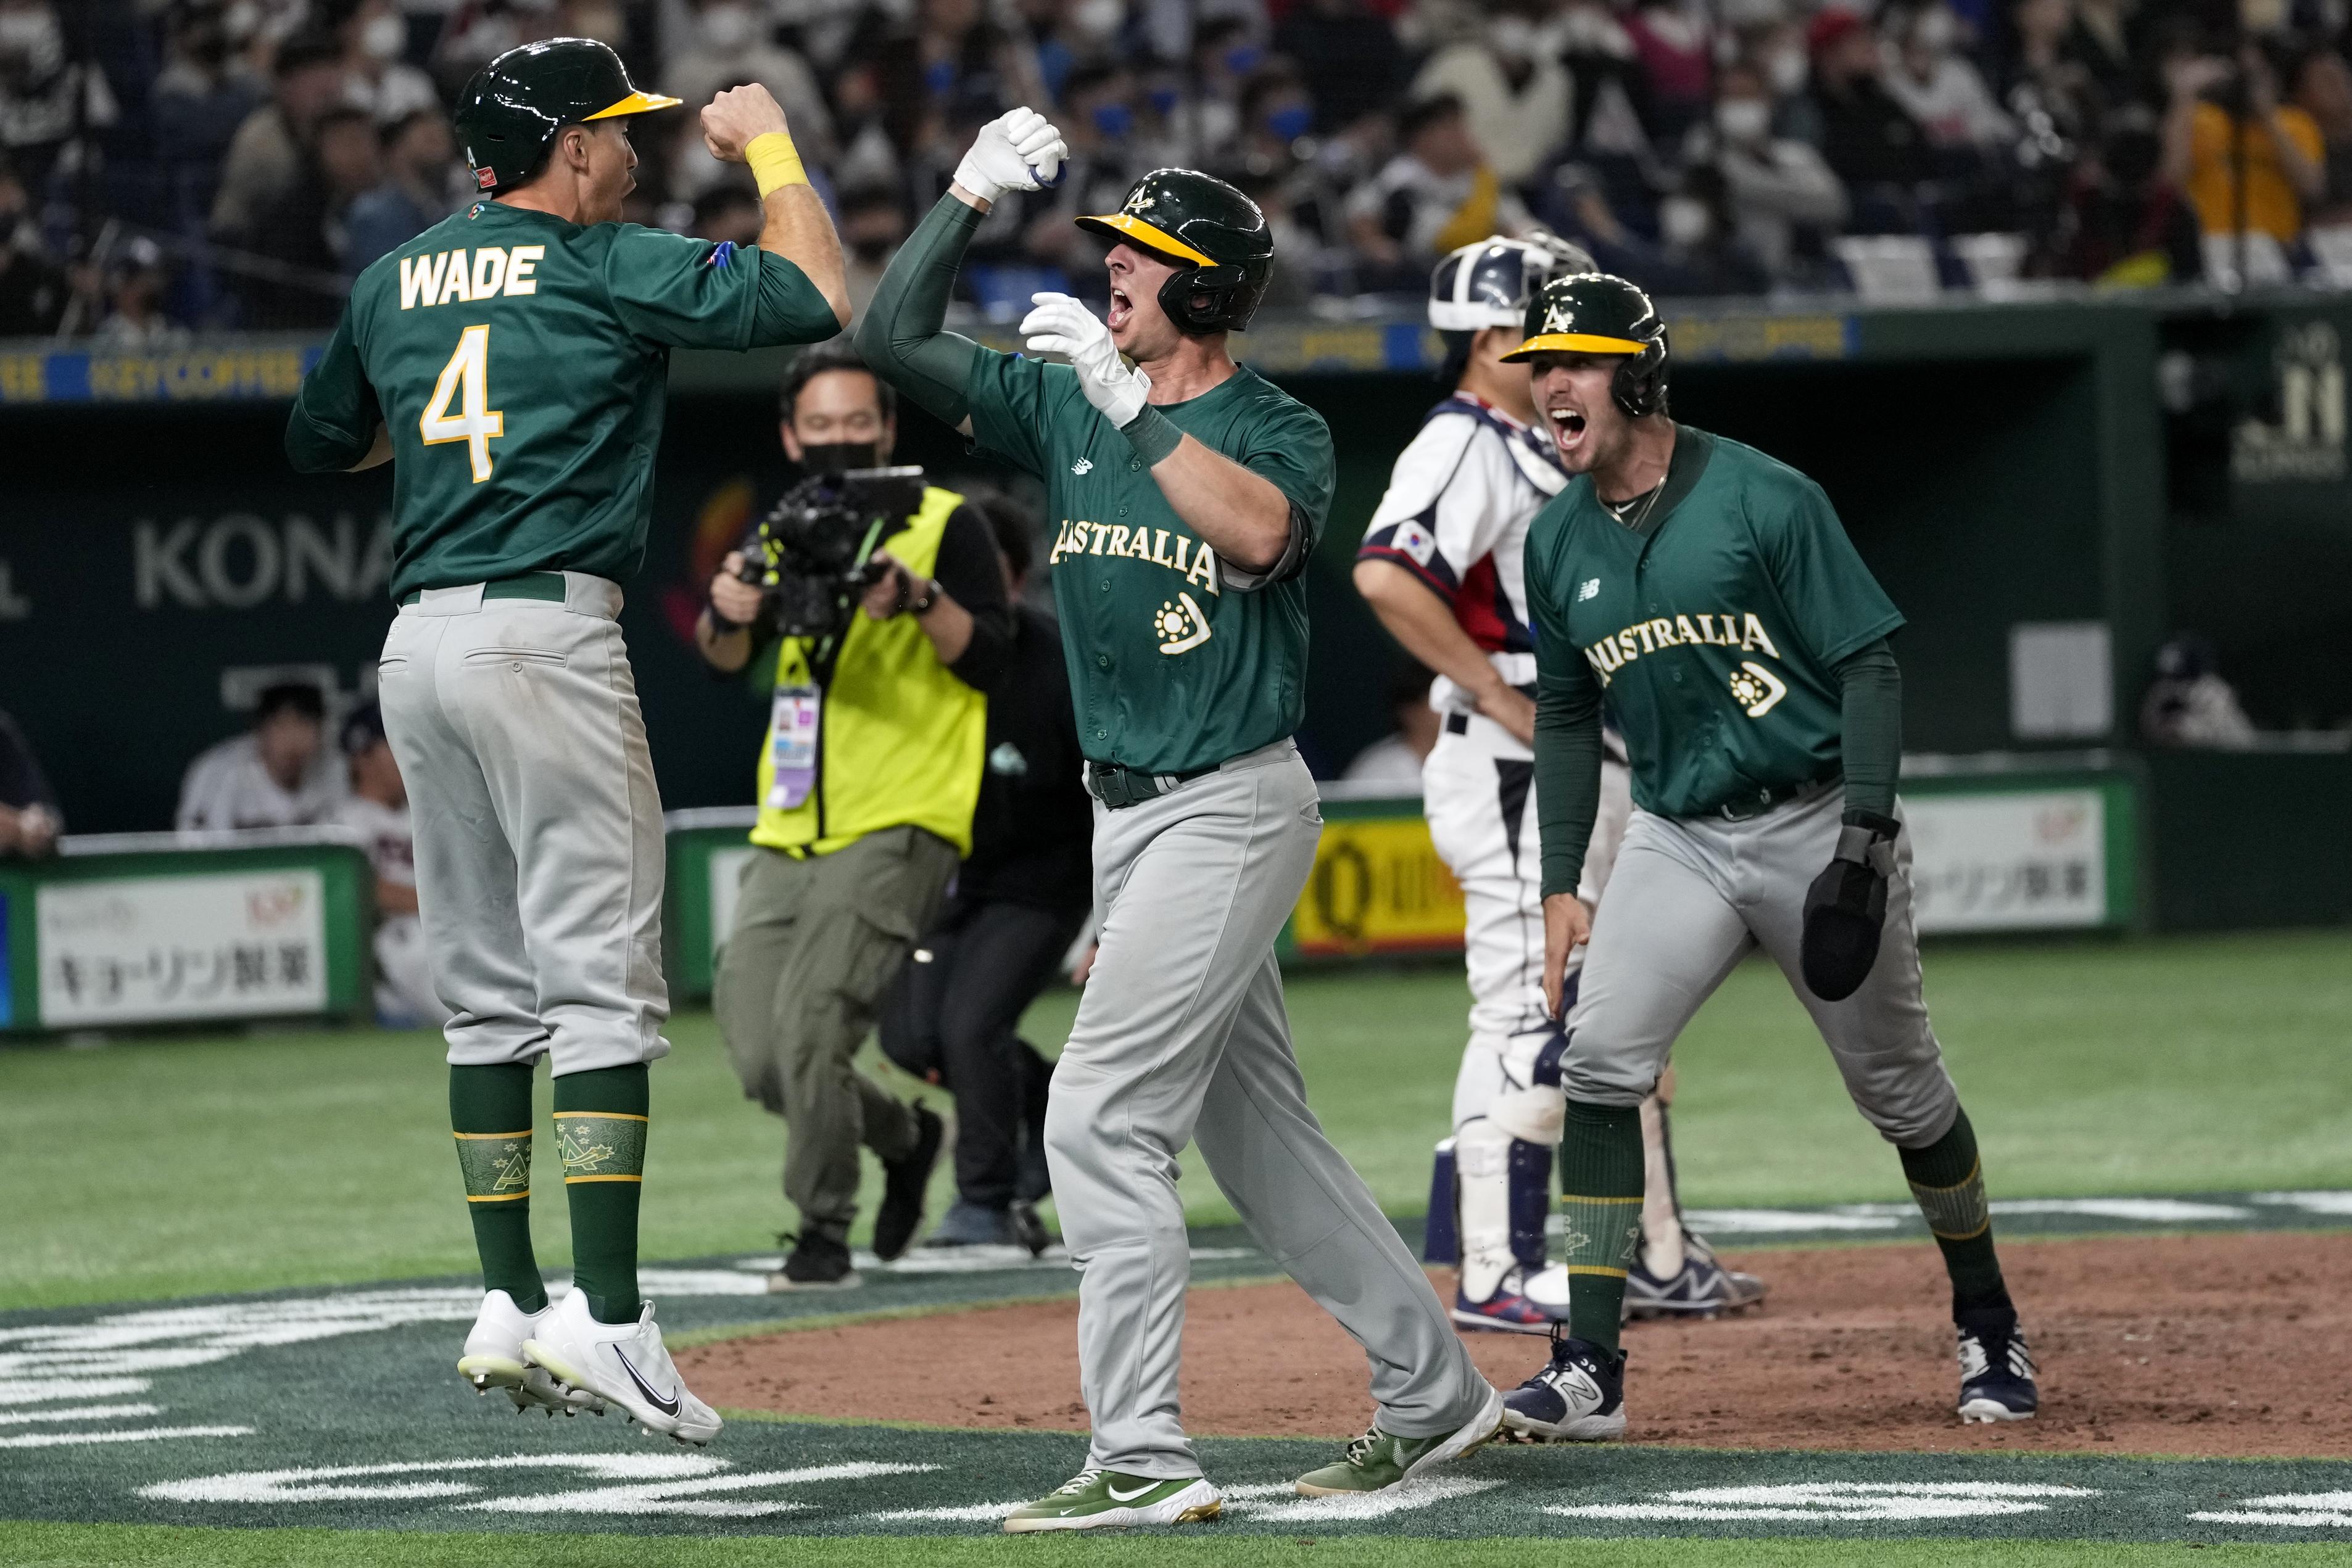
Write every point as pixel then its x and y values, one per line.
pixel 1061 325
pixel 1018 151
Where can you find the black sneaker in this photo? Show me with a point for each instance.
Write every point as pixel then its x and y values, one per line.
pixel 1030 1230
pixel 816 1263
pixel 1579 1397
pixel 1704 1288
pixel 903 1184
pixel 1996 1369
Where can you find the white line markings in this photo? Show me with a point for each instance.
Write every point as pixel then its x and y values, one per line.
pixel 689 1496
pixel 963 1513
pixel 1292 1509
pixel 46 1390
pixel 1768 1222
pixel 2309 1202
pixel 76 1413
pixel 2293 1510
pixel 1860 1501
pixel 140 1435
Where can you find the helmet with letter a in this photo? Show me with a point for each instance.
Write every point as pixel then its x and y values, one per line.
pixel 509 115
pixel 1601 313
pixel 1218 238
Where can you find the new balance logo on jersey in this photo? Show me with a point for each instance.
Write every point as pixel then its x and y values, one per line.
pixel 1082 467
pixel 1744 631
pixel 1156 547
pixel 1586 589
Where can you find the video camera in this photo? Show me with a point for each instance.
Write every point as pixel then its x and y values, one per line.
pixel 814 556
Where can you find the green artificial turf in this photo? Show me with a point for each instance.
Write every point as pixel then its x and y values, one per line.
pixel 158 1546
pixel 169 1166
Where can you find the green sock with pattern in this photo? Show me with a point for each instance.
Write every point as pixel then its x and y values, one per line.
pixel 1946 1177
pixel 1600 1199
pixel 599 1132
pixel 489 1108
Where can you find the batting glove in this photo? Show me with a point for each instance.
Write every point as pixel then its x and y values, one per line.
pixel 1846 909
pixel 1060 325
pixel 1018 151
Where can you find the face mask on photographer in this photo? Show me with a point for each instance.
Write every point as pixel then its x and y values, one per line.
pixel 836 457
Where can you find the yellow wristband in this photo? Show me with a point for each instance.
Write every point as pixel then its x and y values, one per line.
pixel 775 163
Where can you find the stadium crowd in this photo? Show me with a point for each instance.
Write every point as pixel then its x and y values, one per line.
pixel 175 165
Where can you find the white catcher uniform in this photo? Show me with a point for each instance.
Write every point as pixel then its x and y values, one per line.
pixel 1455 515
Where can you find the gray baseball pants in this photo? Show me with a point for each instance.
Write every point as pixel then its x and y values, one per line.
pixel 539 830
pixel 1182 1035
pixel 1688 898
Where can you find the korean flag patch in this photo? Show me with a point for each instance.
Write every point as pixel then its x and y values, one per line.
pixel 1412 539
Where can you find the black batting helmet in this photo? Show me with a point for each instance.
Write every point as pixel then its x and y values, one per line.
pixel 1197 219
pixel 1600 313
pixel 509 115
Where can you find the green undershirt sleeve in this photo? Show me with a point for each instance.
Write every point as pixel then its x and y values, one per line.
pixel 902 336
pixel 1872 710
pixel 1567 774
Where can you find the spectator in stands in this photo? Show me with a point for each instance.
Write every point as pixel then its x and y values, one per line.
pixel 1676 44
pixel 33 288
pixel 305 235
pixel 1208 118
pixel 422 185
pixel 1394 761
pixel 1781 195
pixel 731 43
pixel 730 213
pixel 2323 90
pixel 1699 240
pixel 2125 224
pixel 29 819
pixel 1514 94
pixel 1277 116
pixel 135 280
pixel 47 99
pixel 377 79
pixel 2105 42
pixel 1435 195
pixel 265 157
pixel 377 811
pixel 1938 85
pixel 1097 121
pixel 200 97
pixel 873 225
pixel 2224 116
pixel 275 775
pixel 1867 136
pixel 1349 56
pixel 2048 89
pixel 2188 703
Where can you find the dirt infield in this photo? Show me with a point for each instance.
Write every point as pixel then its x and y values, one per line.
pixel 2203 1345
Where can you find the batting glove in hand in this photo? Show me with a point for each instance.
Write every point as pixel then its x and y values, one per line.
pixel 1846 909
pixel 1060 325
pixel 1018 151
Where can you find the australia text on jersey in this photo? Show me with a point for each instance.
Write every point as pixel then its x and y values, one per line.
pixel 1757 688
pixel 1193 561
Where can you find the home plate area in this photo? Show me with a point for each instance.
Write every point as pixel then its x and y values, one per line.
pixel 2190 1382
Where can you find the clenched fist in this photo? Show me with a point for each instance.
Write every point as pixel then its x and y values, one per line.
pixel 733 118
pixel 1018 151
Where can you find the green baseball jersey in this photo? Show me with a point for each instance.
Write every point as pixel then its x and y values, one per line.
pixel 520 363
pixel 1712 627
pixel 1174 664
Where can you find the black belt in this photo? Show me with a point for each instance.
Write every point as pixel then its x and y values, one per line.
pixel 1764 798
pixel 1119 787
pixel 547 585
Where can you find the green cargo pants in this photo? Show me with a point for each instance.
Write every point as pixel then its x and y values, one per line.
pixel 816 942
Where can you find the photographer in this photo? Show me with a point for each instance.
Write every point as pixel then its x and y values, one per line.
pixel 2245 162
pixel 867 777
pixel 954 1015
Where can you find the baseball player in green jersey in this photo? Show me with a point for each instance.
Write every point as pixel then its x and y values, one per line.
pixel 1186 493
pixel 1709 596
pixel 510 361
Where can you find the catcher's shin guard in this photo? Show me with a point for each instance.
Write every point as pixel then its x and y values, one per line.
pixel 1504 1193
pixel 1439 1242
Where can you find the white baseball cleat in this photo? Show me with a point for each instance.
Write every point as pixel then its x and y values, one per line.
pixel 625 1364
pixel 493 1358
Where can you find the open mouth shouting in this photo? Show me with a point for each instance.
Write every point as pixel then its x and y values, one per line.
pixel 1123 309
pixel 1568 427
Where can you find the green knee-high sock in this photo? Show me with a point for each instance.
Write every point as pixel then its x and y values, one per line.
pixel 600 1131
pixel 489 1107
pixel 1947 1179
pixel 1601 1188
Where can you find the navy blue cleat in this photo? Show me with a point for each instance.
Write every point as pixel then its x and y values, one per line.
pixel 1996 1369
pixel 1577 1397
pixel 1702 1288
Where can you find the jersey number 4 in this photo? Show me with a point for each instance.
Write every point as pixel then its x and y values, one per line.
pixel 465 382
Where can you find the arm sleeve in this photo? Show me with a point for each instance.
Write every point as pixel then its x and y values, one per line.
pixel 1871 709
pixel 1292 452
pixel 903 334
pixel 335 411
pixel 968 572
pixel 687 293
pixel 1568 743
pixel 1834 603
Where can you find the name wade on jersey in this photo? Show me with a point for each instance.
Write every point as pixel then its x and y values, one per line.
pixel 1194 561
pixel 492 269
